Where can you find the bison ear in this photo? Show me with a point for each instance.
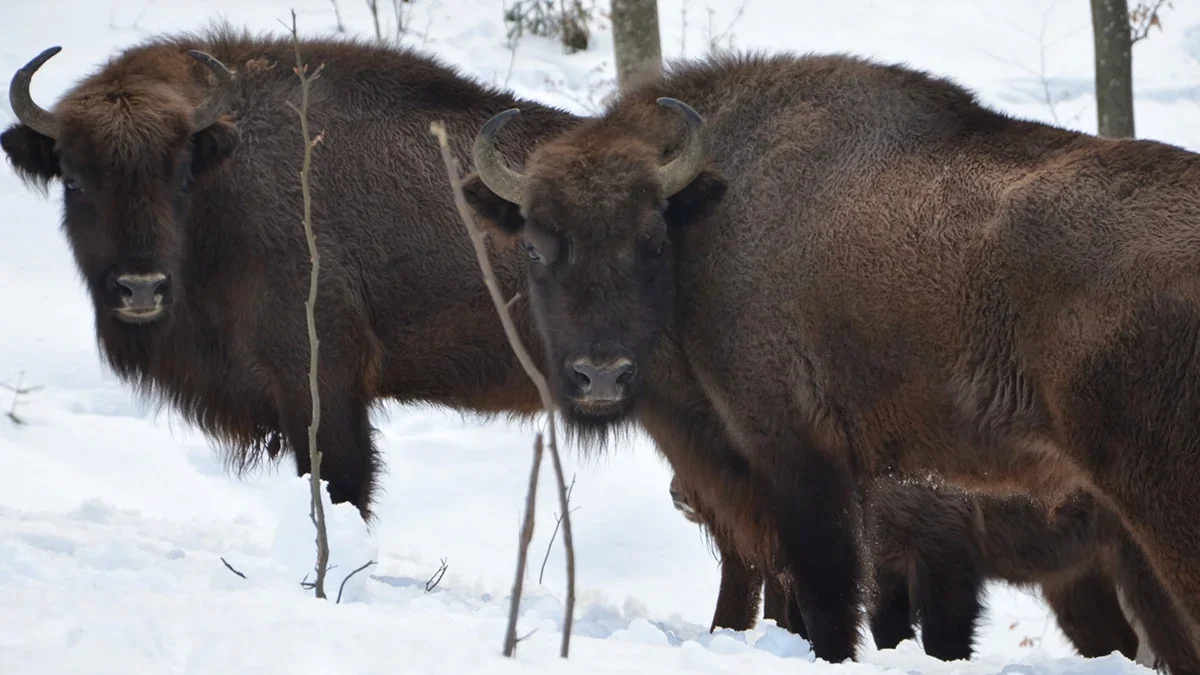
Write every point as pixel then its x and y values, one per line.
pixel 696 201
pixel 496 214
pixel 210 146
pixel 31 154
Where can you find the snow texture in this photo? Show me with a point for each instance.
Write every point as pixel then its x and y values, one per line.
pixel 114 517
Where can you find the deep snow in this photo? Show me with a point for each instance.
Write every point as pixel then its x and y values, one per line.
pixel 113 518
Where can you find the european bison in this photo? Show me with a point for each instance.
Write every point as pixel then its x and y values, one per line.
pixel 852 269
pixel 183 207
pixel 932 548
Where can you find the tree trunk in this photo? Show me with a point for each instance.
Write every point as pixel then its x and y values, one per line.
pixel 1114 68
pixel 636 42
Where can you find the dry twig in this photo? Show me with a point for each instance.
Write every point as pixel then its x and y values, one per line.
pixel 438 129
pixel 356 571
pixel 317 508
pixel 1144 17
pixel 557 523
pixel 436 579
pixel 231 568
pixel 337 13
pixel 18 390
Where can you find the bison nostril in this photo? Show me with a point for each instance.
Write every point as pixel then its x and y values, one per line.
pixel 581 378
pixel 625 372
pixel 141 290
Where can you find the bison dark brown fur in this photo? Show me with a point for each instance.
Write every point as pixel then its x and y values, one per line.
pixel 852 269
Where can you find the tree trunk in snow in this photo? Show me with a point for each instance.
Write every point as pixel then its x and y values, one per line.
pixel 1114 68
pixel 636 41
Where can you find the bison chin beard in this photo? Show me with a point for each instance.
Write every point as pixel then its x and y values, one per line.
pixel 594 423
pixel 594 429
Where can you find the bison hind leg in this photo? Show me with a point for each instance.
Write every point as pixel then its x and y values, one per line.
pixel 948 591
pixel 891 612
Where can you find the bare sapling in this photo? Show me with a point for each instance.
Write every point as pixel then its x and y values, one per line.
pixel 18 390
pixel 557 524
pixel 438 129
pixel 317 507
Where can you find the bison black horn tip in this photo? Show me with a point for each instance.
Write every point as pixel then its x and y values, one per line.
pixel 212 62
pixel 493 125
pixel 44 56
pixel 686 110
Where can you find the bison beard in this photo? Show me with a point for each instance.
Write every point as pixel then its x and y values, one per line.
pixel 872 274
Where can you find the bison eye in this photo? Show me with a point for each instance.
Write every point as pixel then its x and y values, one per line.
pixel 71 186
pixel 533 254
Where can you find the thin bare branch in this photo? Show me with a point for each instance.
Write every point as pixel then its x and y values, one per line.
pixel 1145 16
pixel 557 523
pixel 356 571
pixel 373 5
pixel 316 508
pixel 514 605
pixel 436 579
pixel 231 568
pixel 337 13
pixel 438 129
pixel 18 391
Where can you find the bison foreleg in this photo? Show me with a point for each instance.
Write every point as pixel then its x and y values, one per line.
pixel 817 516
pixel 349 460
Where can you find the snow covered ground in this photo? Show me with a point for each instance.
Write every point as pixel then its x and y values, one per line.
pixel 114 518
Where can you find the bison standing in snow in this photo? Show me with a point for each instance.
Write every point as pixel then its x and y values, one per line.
pixel 183 209
pixel 835 269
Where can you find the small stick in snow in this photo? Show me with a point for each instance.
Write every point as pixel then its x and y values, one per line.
pixel 557 522
pixel 231 569
pixel 438 129
pixel 356 571
pixel 18 391
pixel 436 579
pixel 316 508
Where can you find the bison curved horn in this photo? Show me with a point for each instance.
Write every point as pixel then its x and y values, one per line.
pixel 495 174
pixel 29 113
pixel 208 112
pixel 682 170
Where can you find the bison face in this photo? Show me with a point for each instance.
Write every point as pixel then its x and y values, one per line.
pixel 126 154
pixel 598 221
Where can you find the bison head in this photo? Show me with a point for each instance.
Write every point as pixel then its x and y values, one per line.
pixel 126 145
pixel 598 212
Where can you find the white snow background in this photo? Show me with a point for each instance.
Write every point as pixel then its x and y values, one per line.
pixel 113 519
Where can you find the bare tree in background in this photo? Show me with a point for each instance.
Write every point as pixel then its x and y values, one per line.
pixel 1115 29
pixel 636 41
